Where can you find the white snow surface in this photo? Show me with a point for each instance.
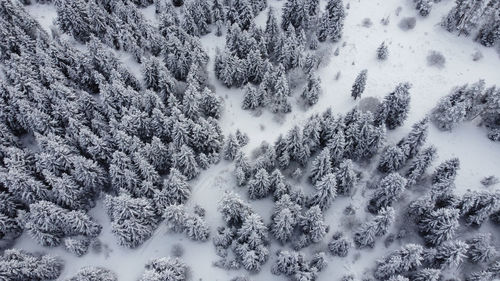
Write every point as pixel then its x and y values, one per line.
pixel 479 156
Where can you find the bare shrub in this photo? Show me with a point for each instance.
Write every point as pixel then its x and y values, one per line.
pixel 436 59
pixel 408 23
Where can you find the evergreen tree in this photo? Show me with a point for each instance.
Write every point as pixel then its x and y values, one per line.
pixel 295 146
pixel 326 191
pixel 161 269
pixel 252 236
pixel 346 177
pixel 464 17
pixel 321 166
pixel 393 110
pixel 359 84
pixel 423 7
pixel 451 254
pixel 133 220
pixel 259 186
pixel 283 224
pixel 409 257
pixel 78 247
pixel 231 147
pixel 278 102
pixel 420 164
pixel 477 206
pixel 412 143
pixel 489 32
pixel 337 144
pixel 427 274
pixel 313 226
pixel 439 225
pixel 294 14
pixel 185 162
pixel 90 273
pixel 389 190
pixel 17 265
pixel 392 159
pixel 312 90
pixel 196 228
pixel 332 21
pixel 481 248
pixel 252 98
pixel 175 190
pixel 273 35
pixel 48 223
pixel 444 176
pixel 233 209
pixel 378 226
pixel 383 51
pixel 339 245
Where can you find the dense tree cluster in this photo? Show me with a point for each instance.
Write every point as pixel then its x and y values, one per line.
pixel 477 15
pixel 165 269
pixel 467 102
pixel 91 273
pixel 92 126
pixel 14 265
pixel 295 266
pixel 260 58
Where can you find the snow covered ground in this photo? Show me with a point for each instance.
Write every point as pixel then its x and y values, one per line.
pixel 407 62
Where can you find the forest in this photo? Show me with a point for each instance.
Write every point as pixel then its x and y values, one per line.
pixel 239 140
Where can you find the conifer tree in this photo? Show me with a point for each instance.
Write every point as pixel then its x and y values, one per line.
pixel 185 162
pixel 312 90
pixel 313 226
pixel 233 209
pixel 326 191
pixel 420 164
pixel 444 175
pixel 279 100
pixel 451 254
pixel 321 166
pixel 464 17
pixel 427 274
pixel 382 52
pixel 365 236
pixel 423 7
pixel 165 269
pixel 295 146
pixel 412 143
pixel 477 206
pixel 481 248
pixel 393 110
pixel 133 220
pixel 332 21
pixel 346 177
pixel 339 245
pixel 359 84
pixel 259 186
pixel 392 159
pixel 283 225
pixel 90 273
pixel 489 32
pixel 252 98
pixel 337 144
pixel 389 189
pixel 409 257
pixel 273 34
pixel 175 190
pixel 439 225
pixel 231 147
pixel 78 247
pixel 18 265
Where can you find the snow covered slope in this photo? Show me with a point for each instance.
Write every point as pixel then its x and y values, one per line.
pixel 407 62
